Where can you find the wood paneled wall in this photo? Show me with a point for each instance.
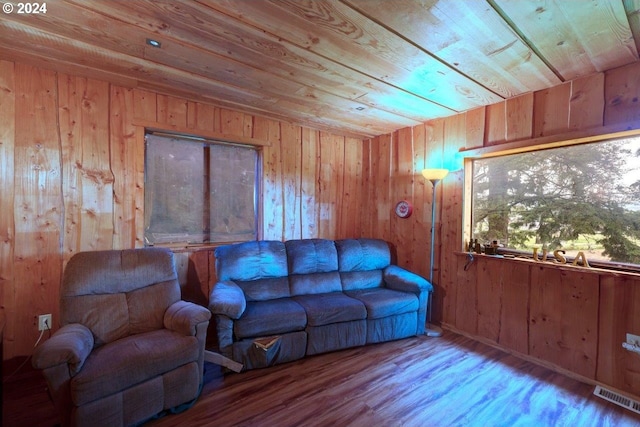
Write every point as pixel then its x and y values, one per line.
pixel 571 317
pixel 72 179
pixel 574 319
pixel 72 171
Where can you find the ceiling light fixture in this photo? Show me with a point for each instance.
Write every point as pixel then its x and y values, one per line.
pixel 154 43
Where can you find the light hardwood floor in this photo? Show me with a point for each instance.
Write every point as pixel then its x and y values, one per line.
pixel 447 381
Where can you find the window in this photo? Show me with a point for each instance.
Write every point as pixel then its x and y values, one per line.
pixel 579 198
pixel 199 191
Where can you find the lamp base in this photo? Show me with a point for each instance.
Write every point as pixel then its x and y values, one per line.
pixel 433 331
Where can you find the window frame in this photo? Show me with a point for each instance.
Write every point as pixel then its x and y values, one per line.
pixel 204 136
pixel 537 144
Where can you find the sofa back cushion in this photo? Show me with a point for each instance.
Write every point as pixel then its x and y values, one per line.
pixel 313 265
pixel 251 260
pixel 311 256
pixel 361 261
pixel 118 293
pixel 362 254
pixel 258 267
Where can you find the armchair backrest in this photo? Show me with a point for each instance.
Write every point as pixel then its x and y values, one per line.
pixel 117 293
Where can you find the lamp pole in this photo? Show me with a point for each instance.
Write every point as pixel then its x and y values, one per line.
pixel 433 227
pixel 435 176
pixel 431 330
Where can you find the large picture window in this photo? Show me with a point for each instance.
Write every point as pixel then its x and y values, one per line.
pixel 199 192
pixel 576 198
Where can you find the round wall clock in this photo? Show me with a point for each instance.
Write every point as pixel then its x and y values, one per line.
pixel 404 209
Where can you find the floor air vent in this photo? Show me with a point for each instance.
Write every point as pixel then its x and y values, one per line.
pixel 618 399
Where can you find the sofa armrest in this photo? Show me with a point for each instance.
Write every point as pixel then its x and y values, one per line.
pixel 70 345
pixel 403 280
pixel 184 317
pixel 228 299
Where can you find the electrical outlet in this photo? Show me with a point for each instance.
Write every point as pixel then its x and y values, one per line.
pixel 633 339
pixel 44 322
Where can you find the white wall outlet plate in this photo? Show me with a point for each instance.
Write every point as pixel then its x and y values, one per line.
pixel 633 339
pixel 44 322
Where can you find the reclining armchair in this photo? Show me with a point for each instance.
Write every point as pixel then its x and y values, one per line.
pixel 128 348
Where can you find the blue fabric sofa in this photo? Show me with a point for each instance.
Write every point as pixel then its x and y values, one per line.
pixel 276 302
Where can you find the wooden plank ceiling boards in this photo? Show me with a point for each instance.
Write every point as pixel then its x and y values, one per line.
pixel 361 68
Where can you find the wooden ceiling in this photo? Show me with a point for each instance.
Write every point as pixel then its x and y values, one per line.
pixel 355 67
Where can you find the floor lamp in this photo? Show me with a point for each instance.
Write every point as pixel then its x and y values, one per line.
pixel 435 176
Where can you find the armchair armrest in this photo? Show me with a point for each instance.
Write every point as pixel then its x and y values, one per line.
pixel 70 345
pixel 228 299
pixel 184 317
pixel 402 280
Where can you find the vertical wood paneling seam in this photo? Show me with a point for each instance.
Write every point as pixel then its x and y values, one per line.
pixel 438 198
pixel 529 272
pixel 316 182
pixel 387 190
pixel 341 227
pixel 369 190
pixel 505 118
pixel 113 175
pixel 299 197
pixel 140 208
pixel 283 225
pixel 604 100
pixel 7 148
pixel 529 298
pixel 260 201
pixel 319 186
pixel 61 178
pixel 597 332
pixel 364 190
pixel 500 304
pixel 568 118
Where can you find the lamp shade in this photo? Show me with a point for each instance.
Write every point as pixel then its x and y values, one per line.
pixel 434 174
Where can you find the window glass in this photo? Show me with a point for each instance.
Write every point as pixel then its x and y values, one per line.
pixel 577 198
pixel 199 192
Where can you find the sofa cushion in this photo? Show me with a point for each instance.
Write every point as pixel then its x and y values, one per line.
pixel 362 254
pixel 265 289
pixel 318 283
pixel 271 317
pixel 311 256
pixel 251 260
pixel 382 302
pixel 131 360
pixel 335 307
pixel 353 280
